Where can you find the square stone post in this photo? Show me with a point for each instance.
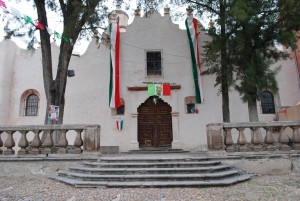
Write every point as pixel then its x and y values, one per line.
pixel 134 132
pixel 91 138
pixel 175 130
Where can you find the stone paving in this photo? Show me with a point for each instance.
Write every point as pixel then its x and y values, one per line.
pixel 40 188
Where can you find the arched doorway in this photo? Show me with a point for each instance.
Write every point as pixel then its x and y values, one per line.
pixel 155 123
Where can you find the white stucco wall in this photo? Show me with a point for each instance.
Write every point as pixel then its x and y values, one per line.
pixel 7 58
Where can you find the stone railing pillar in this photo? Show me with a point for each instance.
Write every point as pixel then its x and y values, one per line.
pixel 283 140
pixel 296 138
pixel 78 142
pixel 228 140
pixel 269 140
pixel 9 143
pixel 36 143
pixel 23 143
pixel 242 141
pixel 63 142
pixel 255 139
pixel 48 142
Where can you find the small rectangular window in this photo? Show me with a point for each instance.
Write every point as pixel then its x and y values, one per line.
pixel 191 108
pixel 120 110
pixel 154 63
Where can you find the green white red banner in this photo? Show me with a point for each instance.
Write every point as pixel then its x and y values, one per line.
pixel 114 83
pixel 192 32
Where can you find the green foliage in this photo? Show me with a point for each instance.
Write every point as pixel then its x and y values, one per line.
pixel 254 40
pixel 252 27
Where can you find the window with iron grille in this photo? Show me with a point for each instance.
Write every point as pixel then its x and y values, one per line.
pixel 32 104
pixel 267 103
pixel 154 62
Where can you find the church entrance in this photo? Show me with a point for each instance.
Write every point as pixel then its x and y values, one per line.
pixel 154 123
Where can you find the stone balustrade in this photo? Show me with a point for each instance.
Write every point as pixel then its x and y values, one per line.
pixel 48 139
pixel 254 136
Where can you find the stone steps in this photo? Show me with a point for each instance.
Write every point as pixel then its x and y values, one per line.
pixel 152 172
pixel 156 151
pixel 164 170
pixel 137 164
pixel 148 177
pixel 139 184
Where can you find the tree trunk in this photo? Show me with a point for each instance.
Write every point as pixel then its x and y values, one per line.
pixel 46 53
pixel 252 109
pixel 224 67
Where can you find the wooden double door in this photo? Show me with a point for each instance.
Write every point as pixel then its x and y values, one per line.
pixel 155 123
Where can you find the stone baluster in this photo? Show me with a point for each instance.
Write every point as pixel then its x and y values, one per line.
pixel 269 139
pixel 242 141
pixel 255 139
pixel 63 142
pixel 36 143
pixel 1 142
pixel 283 140
pixel 228 140
pixel 78 142
pixel 23 143
pixel 9 143
pixel 48 142
pixel 296 138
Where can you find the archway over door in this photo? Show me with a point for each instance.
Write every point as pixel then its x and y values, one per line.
pixel 155 123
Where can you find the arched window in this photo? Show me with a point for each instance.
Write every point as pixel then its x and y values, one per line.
pixel 29 103
pixel 32 105
pixel 267 103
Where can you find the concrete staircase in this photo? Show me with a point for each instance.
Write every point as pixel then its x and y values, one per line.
pixel 152 172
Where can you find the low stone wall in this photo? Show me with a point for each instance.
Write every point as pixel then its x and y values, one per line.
pixel 267 164
pixel 40 165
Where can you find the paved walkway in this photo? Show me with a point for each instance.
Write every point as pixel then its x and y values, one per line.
pixel 38 188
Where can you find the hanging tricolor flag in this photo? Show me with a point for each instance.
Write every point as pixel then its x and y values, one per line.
pixel 2 4
pixel 28 20
pixel 191 27
pixel 36 23
pixel 119 124
pixel 159 89
pixel 114 84
pixel 16 12
pixel 39 25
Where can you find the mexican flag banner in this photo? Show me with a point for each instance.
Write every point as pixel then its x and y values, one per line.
pixel 159 90
pixel 114 83
pixel 119 124
pixel 192 32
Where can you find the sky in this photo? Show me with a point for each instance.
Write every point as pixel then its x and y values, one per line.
pixel 55 23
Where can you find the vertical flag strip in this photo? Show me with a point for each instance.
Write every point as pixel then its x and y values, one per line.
pixel 191 27
pixel 119 124
pixel 166 90
pixel 114 83
pixel 2 4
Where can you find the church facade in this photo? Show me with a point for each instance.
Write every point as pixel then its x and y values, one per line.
pixel 143 120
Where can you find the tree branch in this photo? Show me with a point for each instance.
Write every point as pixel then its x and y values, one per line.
pixel 205 6
pixel 63 6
